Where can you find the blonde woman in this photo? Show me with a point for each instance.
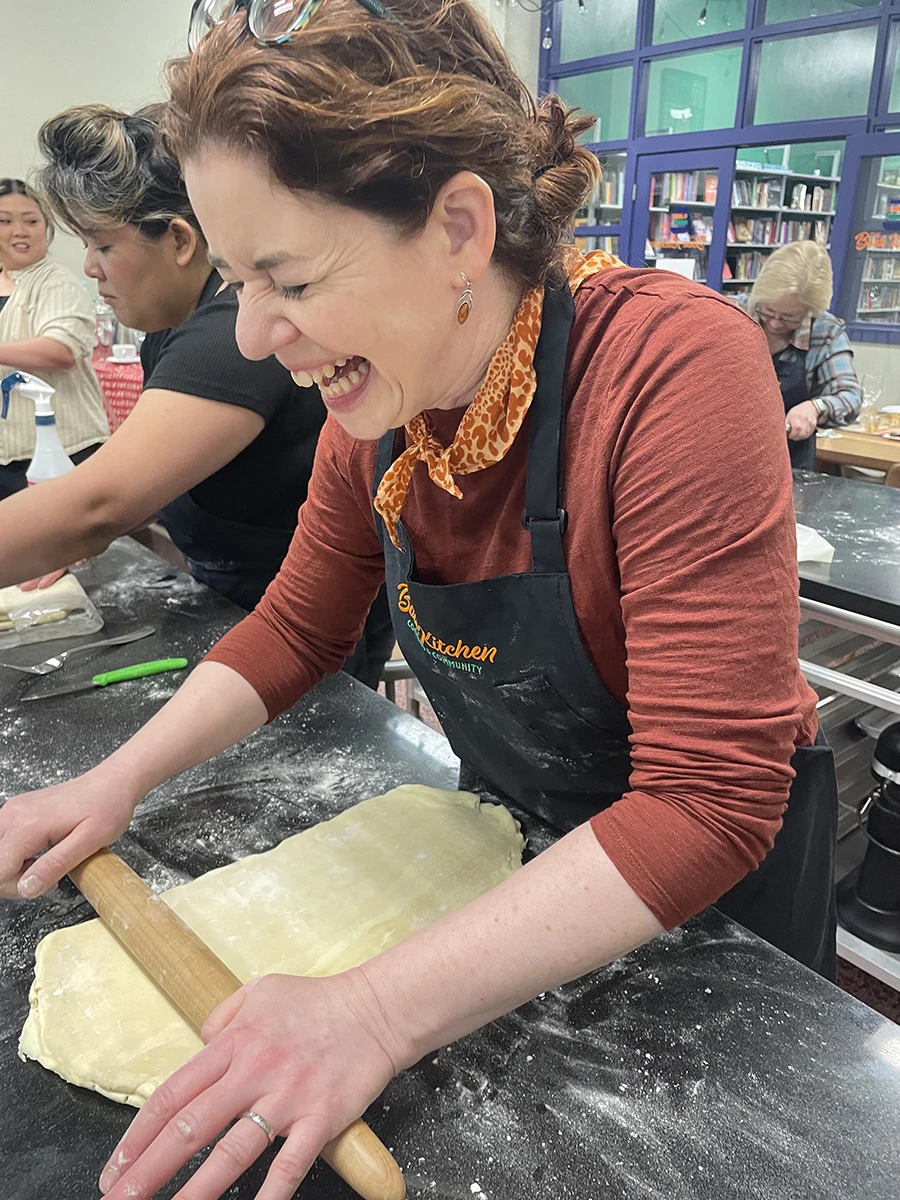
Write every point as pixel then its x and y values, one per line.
pixel 810 350
pixel 46 328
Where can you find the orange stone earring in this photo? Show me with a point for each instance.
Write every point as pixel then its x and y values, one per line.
pixel 466 301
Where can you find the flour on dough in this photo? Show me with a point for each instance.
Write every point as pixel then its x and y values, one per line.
pixel 41 606
pixel 323 901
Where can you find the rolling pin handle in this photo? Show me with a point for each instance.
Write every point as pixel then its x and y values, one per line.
pixel 363 1161
pixel 197 981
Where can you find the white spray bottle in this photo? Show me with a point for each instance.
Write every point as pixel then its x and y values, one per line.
pixel 50 460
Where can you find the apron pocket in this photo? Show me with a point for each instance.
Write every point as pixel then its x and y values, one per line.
pixel 535 703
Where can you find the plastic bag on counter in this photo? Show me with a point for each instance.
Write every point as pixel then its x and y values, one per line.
pixel 62 610
pixel 812 547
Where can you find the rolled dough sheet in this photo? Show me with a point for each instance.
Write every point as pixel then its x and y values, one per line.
pixel 53 603
pixel 323 901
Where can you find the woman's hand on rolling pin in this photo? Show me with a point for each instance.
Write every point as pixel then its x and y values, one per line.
pixel 306 1055
pixel 73 819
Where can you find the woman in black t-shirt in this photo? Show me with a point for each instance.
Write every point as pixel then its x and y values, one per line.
pixel 219 447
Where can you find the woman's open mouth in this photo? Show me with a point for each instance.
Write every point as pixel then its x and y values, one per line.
pixel 341 382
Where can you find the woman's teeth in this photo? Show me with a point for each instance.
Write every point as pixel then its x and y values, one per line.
pixel 308 378
pixel 324 377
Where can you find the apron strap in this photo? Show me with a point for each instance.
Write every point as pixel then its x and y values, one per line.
pixel 389 447
pixel 384 457
pixel 544 517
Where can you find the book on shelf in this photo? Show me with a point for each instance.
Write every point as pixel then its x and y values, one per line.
pixel 747 265
pixel 879 297
pixel 880 266
pixel 672 187
pixel 804 231
pixel 610 190
pixel 822 199
pixel 811 199
pixel 710 188
pixel 727 272
pixel 703 229
pixel 660 230
pixel 756 193
pixel 762 232
pixel 667 227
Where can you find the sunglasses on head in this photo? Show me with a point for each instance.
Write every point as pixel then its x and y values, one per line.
pixel 271 21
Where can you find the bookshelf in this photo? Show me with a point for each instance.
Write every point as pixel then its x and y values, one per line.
pixel 771 206
pixel 878 299
pixel 606 205
pixel 692 193
pixel 598 223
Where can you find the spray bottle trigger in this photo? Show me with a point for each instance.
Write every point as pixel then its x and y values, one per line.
pixel 6 386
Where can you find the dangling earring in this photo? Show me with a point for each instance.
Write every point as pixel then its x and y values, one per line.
pixel 466 301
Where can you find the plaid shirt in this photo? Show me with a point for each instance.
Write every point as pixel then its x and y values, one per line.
pixel 829 367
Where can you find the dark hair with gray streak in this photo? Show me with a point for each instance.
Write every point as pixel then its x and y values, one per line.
pixel 107 169
pixel 18 187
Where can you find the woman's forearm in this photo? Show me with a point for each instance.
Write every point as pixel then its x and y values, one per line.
pixel 843 406
pixel 36 355
pixel 56 524
pixel 214 708
pixel 562 915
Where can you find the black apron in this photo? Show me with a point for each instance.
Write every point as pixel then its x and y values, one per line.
pixel 238 561
pixel 504 667
pixel 790 367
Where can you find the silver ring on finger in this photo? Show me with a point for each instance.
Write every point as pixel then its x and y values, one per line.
pixel 261 1122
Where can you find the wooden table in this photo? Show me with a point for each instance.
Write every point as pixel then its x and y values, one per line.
pixel 858 449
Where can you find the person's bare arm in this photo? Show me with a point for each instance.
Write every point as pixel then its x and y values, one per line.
pixel 214 708
pixel 36 355
pixel 169 444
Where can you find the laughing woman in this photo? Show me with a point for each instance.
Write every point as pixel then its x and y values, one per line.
pixel 395 212
pixel 219 447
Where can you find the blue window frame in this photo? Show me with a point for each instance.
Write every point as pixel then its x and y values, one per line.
pixel 765 21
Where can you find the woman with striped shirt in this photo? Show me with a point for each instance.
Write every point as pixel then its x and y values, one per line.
pixel 47 329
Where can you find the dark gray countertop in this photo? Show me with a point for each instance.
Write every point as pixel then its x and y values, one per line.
pixel 862 522
pixel 705 1066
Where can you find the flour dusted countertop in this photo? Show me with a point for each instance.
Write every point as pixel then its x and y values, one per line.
pixel 705 1066
pixel 862 522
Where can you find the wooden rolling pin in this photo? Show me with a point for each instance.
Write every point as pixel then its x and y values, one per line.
pixel 197 982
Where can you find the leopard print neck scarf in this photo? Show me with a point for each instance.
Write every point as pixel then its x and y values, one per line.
pixel 491 422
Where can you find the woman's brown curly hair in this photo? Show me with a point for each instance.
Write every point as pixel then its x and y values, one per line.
pixel 378 116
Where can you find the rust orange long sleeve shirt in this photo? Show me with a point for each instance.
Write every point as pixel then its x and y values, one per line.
pixel 681 550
